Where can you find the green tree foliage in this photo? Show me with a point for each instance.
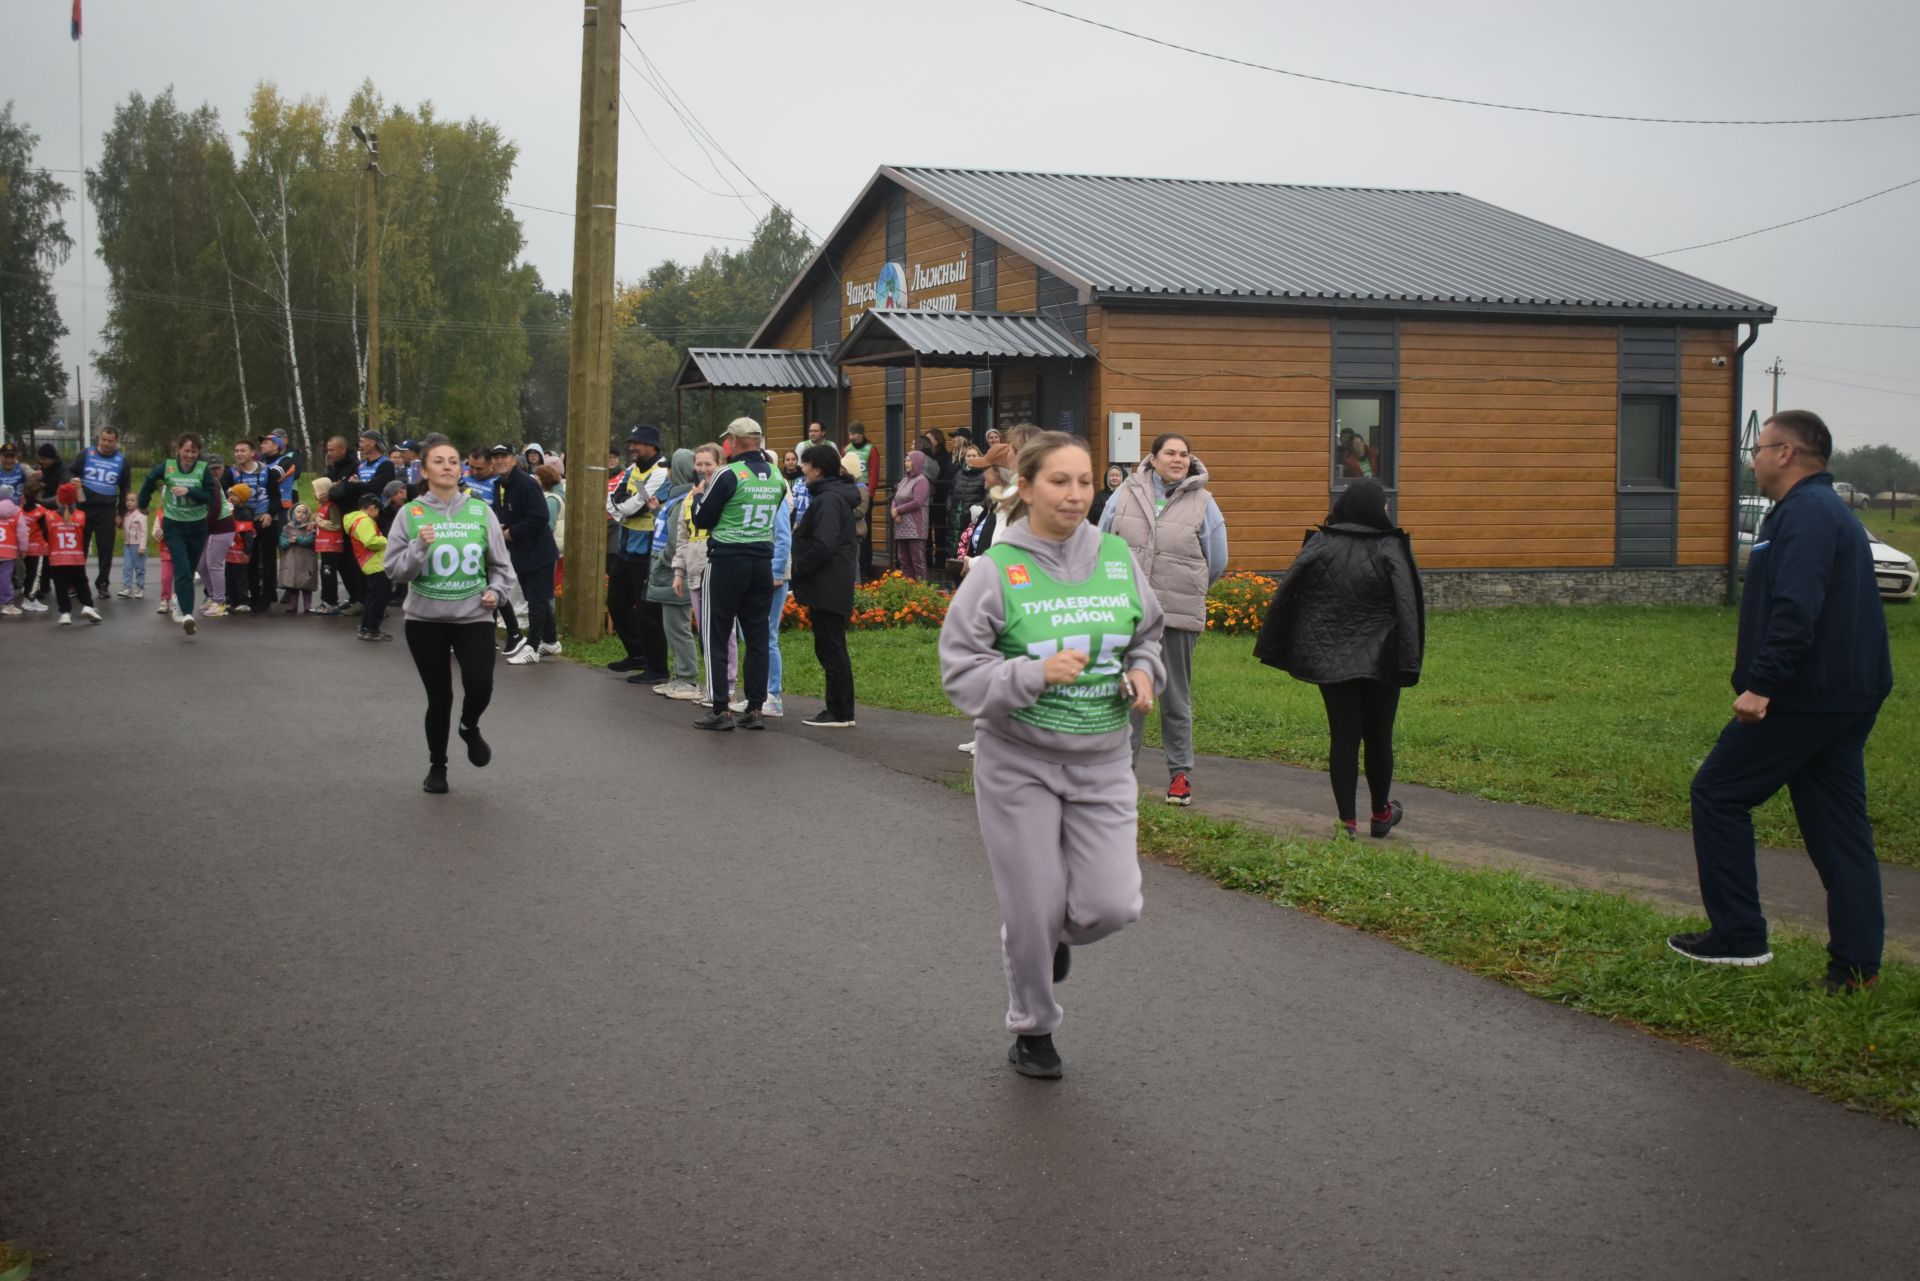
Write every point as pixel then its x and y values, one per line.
pixel 1875 469
pixel 33 241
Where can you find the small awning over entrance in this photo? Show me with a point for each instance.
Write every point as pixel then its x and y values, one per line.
pixel 957 339
pixel 756 369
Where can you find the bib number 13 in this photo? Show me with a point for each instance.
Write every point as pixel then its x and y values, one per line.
pixel 1105 660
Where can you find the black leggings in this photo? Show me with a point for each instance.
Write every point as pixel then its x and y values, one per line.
pixel 1356 711
pixel 471 645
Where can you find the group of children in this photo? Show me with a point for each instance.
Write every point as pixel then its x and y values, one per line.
pixel 44 546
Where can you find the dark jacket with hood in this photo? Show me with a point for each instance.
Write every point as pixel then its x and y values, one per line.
pixel 825 547
pixel 1351 606
pixel 969 490
pixel 521 506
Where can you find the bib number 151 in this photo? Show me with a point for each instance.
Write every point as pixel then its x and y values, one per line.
pixel 1105 661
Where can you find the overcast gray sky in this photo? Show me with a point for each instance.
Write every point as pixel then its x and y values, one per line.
pixel 809 96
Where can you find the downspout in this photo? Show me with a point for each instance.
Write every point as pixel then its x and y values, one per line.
pixel 1733 477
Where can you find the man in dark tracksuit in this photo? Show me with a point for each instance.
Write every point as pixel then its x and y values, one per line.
pixel 1810 669
pixel 742 502
pixel 106 477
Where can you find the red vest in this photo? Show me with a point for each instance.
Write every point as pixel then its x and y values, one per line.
pixel 10 538
pixel 37 532
pixel 238 552
pixel 68 535
pixel 328 540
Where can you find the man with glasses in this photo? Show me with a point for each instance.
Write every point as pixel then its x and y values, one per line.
pixel 1810 670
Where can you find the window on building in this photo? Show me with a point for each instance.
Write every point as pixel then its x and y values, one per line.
pixel 1363 437
pixel 1649 454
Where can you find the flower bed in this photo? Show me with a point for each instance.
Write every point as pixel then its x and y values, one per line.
pixel 1237 604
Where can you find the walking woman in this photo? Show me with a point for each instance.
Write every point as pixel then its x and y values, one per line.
pixel 824 563
pixel 1048 644
pixel 448 545
pixel 1176 532
pixel 189 492
pixel 1350 617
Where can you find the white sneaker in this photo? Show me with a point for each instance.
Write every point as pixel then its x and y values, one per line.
pixel 66 620
pixel 213 609
pixel 549 648
pixel 524 656
pixel 512 650
pixel 89 613
pixel 188 624
pixel 167 607
pixel 773 707
pixel 33 606
pixel 241 609
pixel 139 593
pixel 684 691
pixel 11 610
pixel 737 706
pixel 124 593
pixel 967 747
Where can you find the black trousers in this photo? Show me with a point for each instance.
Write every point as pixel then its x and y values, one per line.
pixel 70 581
pixel 101 534
pixel 1360 711
pixel 351 578
pixel 636 620
pixel 1820 758
pixel 435 648
pixel 263 571
pixel 536 584
pixel 830 648
pixel 379 590
pixel 738 589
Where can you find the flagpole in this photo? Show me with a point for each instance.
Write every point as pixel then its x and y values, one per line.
pixel 80 61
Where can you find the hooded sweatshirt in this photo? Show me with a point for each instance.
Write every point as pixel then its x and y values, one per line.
pixel 669 528
pixel 988 686
pixel 407 557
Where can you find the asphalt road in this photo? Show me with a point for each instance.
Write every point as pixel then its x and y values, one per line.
pixel 638 1001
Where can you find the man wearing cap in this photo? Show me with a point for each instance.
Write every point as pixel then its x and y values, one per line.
pixel 274 453
pixel 739 509
pixel 409 469
pixel 263 487
pixel 106 477
pixel 631 504
pixel 370 474
pixel 521 506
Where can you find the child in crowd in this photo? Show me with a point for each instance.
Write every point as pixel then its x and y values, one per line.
pixel 13 534
pixel 67 535
pixel 330 545
pixel 370 550
pixel 299 564
pixel 240 550
pixel 166 563
pixel 133 554
pixel 690 565
pixel 213 561
pixel 33 561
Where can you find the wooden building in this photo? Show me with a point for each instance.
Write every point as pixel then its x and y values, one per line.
pixel 1555 419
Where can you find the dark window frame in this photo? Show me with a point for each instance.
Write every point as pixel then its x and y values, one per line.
pixel 1670 427
pixel 1389 425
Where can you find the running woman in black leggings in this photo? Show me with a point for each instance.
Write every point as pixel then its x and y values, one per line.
pixel 448 545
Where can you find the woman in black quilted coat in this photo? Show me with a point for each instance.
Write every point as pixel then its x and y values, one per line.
pixel 1350 617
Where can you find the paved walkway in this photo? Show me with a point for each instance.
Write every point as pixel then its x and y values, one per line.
pixel 642 1002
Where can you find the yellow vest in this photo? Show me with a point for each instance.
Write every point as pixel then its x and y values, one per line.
pixel 635 482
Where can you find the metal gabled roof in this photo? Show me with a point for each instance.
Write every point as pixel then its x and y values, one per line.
pixel 1242 241
pixel 964 338
pixel 757 369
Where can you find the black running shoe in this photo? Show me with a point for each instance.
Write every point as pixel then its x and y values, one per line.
pixel 1707 948
pixel 824 719
pixel 1062 963
pixel 626 665
pixel 1851 985
pixel 751 719
pixel 477 750
pixel 649 678
pixel 717 719
pixel 435 781
pixel 1387 819
pixel 1035 1056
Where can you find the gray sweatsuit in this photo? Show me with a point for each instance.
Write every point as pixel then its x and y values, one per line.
pixel 1059 813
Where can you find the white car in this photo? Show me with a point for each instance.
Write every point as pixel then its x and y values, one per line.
pixel 1893 569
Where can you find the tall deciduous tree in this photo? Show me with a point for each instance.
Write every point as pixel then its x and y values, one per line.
pixel 33 241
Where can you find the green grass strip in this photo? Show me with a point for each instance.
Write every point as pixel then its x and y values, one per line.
pixel 1600 953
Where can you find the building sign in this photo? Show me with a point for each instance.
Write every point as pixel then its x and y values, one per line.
pixel 898 288
pixel 891 289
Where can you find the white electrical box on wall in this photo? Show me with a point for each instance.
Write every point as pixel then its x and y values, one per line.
pixel 1123 438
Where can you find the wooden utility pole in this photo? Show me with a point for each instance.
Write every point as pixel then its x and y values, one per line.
pixel 583 607
pixel 372 141
pixel 1776 369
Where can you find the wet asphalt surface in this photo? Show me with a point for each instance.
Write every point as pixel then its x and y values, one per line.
pixel 637 1001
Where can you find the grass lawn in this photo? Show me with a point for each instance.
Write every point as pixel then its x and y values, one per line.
pixel 1898 529
pixel 1599 953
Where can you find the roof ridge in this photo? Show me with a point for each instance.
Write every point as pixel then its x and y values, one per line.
pixel 1162 179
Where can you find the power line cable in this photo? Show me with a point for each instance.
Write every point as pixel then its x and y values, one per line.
pixel 1440 97
pixel 1840 369
pixel 1791 222
pixel 638 226
pixel 1847 324
pixel 732 191
pixel 1835 382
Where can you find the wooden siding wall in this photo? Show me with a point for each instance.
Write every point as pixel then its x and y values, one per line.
pixel 1507 443
pixel 1706 445
pixel 946 395
pixel 786 411
pixel 1250 394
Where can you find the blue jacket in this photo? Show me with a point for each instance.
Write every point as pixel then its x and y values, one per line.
pixel 521 506
pixel 1813 634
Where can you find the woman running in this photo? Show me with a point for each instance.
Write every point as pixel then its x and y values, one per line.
pixel 449 546
pixel 189 491
pixel 1049 643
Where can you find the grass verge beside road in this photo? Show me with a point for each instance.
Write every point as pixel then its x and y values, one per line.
pixel 1598 953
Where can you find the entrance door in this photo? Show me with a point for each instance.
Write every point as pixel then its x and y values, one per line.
pixel 1063 399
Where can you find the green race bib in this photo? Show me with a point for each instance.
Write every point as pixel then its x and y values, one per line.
pixel 188 510
pixel 457 558
pixel 1097 616
pixel 750 513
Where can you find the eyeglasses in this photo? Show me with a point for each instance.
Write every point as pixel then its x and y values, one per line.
pixel 1753 451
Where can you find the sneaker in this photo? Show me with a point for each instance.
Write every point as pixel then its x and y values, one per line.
pixel 1180 791
pixel 354 609
pixel 689 693
pixel 751 720
pixel 435 781
pixel 241 609
pixel 1852 985
pixel 124 593
pixel 737 705
pixel 1707 948
pixel 649 678
pixel 826 720
pixel 518 645
pixel 715 720
pixel 1346 830
pixel 677 689
pixel 626 664
pixel 326 611
pixel 1062 963
pixel 549 648
pixel 213 609
pixel 1386 820
pixel 774 707
pixel 523 656
pixel 189 624
pixel 365 635
pixel 967 747
pixel 139 593
pixel 703 701
pixel 100 589
pixel 11 610
pixel 33 606
pixel 166 607
pixel 1035 1056
pixel 66 620
pixel 89 613
pixel 478 752
pixel 383 636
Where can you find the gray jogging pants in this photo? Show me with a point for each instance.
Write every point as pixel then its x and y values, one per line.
pixel 1063 843
pixel 1176 703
